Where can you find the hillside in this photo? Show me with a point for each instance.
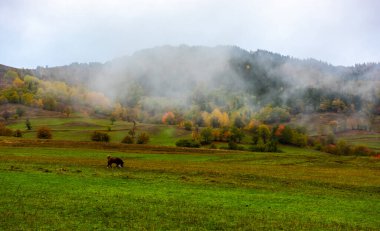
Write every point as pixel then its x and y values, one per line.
pixel 261 76
pixel 200 83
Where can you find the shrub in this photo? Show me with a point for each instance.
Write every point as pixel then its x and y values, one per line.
pixel 343 148
pixel 299 139
pixel 311 141
pixel 128 140
pixel 330 148
pixel 361 150
pixel 44 133
pixel 330 138
pixel 28 124
pixel 20 112
pixel 232 145
pixel 318 146
pixel 259 147
pixel 213 146
pixel 4 131
pixel 286 135
pixel 206 135
pixel 187 143
pixel 100 136
pixel 237 134
pixel 271 146
pixel 142 138
pixel 17 133
pixel 188 125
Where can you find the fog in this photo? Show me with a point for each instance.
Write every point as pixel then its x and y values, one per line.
pixel 257 77
pixel 56 33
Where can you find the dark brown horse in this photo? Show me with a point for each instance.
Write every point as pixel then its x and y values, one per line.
pixel 115 160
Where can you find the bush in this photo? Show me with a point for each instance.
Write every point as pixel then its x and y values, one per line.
pixel 100 136
pixel 20 112
pixel 330 148
pixel 286 135
pixel 232 145
pixel 17 133
pixel 4 131
pixel 206 135
pixel 187 143
pixel 142 138
pixel 318 146
pixel 128 140
pixel 343 148
pixel 213 146
pixel 362 151
pixel 28 124
pixel 299 139
pixel 188 125
pixel 44 133
pixel 270 146
pixel 330 138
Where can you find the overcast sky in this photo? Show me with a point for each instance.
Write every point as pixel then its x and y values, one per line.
pixel 59 32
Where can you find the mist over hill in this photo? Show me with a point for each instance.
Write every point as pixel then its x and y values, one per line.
pixel 209 86
pixel 215 76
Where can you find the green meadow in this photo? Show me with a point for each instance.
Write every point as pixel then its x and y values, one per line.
pixel 64 184
pixel 80 129
pixel 56 186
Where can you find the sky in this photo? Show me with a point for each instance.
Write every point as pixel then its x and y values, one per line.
pixel 59 32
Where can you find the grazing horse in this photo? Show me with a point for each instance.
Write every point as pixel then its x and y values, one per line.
pixel 115 160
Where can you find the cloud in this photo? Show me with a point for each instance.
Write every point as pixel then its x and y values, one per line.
pixel 55 32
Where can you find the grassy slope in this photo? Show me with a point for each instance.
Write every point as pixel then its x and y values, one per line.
pixel 80 129
pixel 370 140
pixel 70 188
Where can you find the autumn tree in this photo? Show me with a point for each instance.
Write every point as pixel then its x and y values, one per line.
pixel 206 135
pixel 10 76
pixel 238 122
pixel 168 118
pixel 263 133
pixel 18 83
pixel 31 83
pixel 67 110
pixel 237 134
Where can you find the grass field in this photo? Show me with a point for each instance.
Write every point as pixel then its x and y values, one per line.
pixel 63 185
pixel 80 129
pixel 370 140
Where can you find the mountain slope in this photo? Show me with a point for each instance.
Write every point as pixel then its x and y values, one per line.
pixel 225 77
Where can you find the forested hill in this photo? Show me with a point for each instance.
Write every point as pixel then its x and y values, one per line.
pixel 225 77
